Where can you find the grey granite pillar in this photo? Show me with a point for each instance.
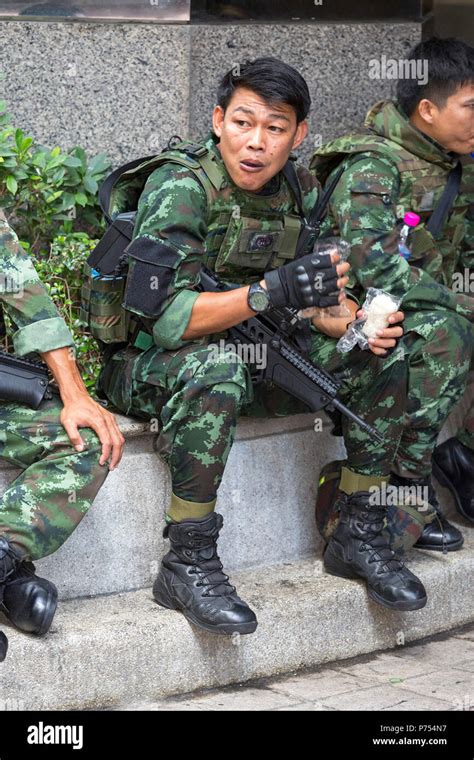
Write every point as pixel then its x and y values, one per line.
pixel 121 89
pixel 125 88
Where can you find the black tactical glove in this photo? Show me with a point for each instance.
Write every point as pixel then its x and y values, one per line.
pixel 308 281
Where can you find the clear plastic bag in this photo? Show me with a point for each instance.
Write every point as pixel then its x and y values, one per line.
pixel 328 246
pixel 378 306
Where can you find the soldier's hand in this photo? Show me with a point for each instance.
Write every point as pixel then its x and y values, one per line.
pixel 388 337
pixel 335 327
pixel 311 280
pixel 85 412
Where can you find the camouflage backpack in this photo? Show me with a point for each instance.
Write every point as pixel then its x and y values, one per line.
pixel 107 268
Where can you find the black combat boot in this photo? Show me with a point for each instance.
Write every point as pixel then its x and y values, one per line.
pixel 9 562
pixel 29 601
pixel 358 549
pixel 453 467
pixel 191 579
pixel 439 535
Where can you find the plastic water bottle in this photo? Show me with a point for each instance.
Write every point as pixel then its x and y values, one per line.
pixel 98 276
pixel 410 220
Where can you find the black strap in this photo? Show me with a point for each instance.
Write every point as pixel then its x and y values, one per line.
pixel 289 173
pixel 443 207
pixel 311 225
pixel 438 217
pixel 109 183
pixel 320 208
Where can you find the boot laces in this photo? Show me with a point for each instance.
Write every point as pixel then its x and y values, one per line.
pixel 9 560
pixel 370 520
pixel 24 570
pixel 210 569
pixel 9 563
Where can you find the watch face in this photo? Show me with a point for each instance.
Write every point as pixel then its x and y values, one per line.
pixel 258 300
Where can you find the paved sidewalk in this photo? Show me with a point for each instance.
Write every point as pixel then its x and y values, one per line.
pixel 436 673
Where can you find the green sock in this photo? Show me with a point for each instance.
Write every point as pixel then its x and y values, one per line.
pixel 351 481
pixel 181 509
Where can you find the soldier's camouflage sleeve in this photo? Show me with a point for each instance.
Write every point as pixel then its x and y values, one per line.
pixel 39 326
pixel 172 210
pixel 466 259
pixel 467 252
pixel 363 206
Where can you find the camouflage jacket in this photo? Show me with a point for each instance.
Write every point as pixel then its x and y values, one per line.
pixel 391 168
pixel 39 328
pixel 238 234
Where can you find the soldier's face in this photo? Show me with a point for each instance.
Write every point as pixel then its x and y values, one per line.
pixel 256 138
pixel 453 125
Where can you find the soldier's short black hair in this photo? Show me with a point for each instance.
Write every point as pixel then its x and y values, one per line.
pixel 273 80
pixel 450 66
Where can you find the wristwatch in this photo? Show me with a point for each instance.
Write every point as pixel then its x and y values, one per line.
pixel 258 298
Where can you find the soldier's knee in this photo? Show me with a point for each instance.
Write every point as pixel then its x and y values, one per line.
pixel 224 368
pixel 458 324
pixel 453 341
pixel 227 380
pixel 91 439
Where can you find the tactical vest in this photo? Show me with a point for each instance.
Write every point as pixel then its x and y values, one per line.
pixel 248 234
pixel 421 184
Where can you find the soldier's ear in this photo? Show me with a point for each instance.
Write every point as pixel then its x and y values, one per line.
pixel 427 110
pixel 300 134
pixel 217 120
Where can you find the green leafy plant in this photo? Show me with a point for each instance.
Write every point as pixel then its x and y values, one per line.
pixel 50 198
pixel 61 271
pixel 43 189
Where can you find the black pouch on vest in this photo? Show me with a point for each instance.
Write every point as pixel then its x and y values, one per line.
pixel 151 276
pixel 108 256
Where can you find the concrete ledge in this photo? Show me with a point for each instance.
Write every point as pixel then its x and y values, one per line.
pixel 267 498
pixel 124 647
pixel 119 544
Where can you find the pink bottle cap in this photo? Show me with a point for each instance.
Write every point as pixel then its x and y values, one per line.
pixel 411 219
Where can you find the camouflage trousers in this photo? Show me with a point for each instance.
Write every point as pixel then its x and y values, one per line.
pixel 195 396
pixel 466 434
pixel 40 509
pixel 438 368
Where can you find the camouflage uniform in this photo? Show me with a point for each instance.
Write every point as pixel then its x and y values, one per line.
pixel 392 168
pixel 466 266
pixel 57 485
pixel 198 397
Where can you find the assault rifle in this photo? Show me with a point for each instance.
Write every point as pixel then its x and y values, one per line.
pixel 279 331
pixel 23 380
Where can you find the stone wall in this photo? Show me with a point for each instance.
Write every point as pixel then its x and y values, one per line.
pixel 124 89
